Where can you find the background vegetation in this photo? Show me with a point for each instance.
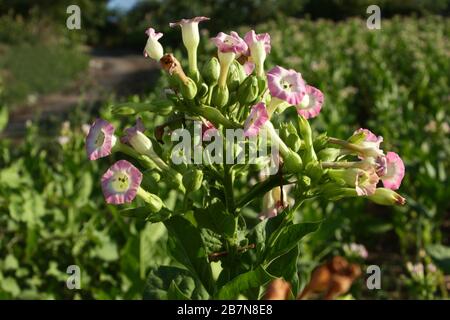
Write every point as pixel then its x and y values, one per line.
pixel 393 81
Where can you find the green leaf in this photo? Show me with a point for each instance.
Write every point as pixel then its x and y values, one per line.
pixel 288 237
pixel 216 219
pixel 243 282
pixel 286 267
pixel 440 255
pixel 186 246
pixel 167 282
pixel 175 293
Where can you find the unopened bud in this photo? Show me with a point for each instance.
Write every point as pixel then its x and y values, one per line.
pixel 248 90
pixel 211 71
pixel 387 197
pixel 220 96
pixel 236 74
pixel 154 203
pixel 192 179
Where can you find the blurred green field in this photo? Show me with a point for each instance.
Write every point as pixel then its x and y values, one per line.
pixel 394 81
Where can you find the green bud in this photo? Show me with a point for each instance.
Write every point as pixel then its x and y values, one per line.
pixel 174 179
pixel 294 142
pixel 236 74
pixel 188 89
pixel 248 90
pixel 333 191
pixel 387 197
pixel 328 154
pixel 220 96
pixel 262 84
pixel 314 170
pixel 292 163
pixel 195 76
pixel 320 141
pixel 211 71
pixel 192 179
pixel 154 203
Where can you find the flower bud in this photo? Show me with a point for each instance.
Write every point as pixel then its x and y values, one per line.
pixel 387 197
pixel 248 90
pixel 328 154
pixel 292 163
pixel 294 142
pixel 192 179
pixel 154 203
pixel 211 71
pixel 220 96
pixel 188 89
pixel 236 74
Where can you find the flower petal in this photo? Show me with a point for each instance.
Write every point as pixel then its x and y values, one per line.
pixel 395 171
pixel 315 102
pixel 255 121
pixel 131 176
pixel 99 140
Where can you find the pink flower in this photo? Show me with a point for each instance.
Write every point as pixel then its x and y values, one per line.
pixel 121 182
pixel 286 85
pixel 256 120
pixel 249 67
pixel 395 171
pixel 183 22
pixel 370 139
pixel 153 48
pixel 259 46
pixel 230 43
pixel 131 132
pixel 252 39
pixel 100 139
pixel 311 104
pixel 272 204
pixel 208 130
pixel 366 182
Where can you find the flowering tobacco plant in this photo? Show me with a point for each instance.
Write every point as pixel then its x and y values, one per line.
pixel 222 153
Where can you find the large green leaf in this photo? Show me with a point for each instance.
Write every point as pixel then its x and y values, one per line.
pixel 167 282
pixel 287 238
pixel 441 256
pixel 186 246
pixel 216 219
pixel 285 267
pixel 243 282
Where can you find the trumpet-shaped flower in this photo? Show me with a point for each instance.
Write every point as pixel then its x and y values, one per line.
pixel 228 47
pixel 259 46
pixel 364 181
pixel 367 139
pixel 121 182
pixel 286 85
pixel 191 38
pixel 153 48
pixel 100 139
pixel 230 43
pixel 395 171
pixel 311 104
pixel 256 120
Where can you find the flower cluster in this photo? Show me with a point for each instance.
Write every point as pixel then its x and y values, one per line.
pixel 233 91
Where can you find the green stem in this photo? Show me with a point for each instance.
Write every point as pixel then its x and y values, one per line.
pixel 228 186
